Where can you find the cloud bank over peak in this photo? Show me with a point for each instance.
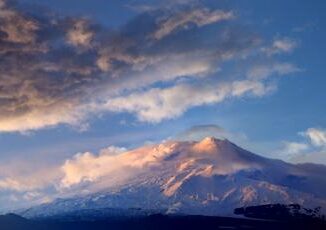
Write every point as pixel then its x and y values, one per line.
pixel 63 70
pixel 89 167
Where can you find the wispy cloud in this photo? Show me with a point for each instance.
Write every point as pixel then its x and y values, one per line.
pixel 184 19
pixel 317 136
pixel 280 45
pixel 311 149
pixel 199 132
pixel 294 148
pixel 263 71
pixel 157 104
pixel 89 167
pixel 80 34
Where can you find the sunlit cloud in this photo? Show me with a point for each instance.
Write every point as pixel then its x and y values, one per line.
pixel 89 167
pixel 30 180
pixel 316 136
pixel 156 105
pixel 80 34
pixel 183 19
pixel 71 68
pixel 15 27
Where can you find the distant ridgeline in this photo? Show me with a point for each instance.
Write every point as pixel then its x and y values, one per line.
pixel 281 212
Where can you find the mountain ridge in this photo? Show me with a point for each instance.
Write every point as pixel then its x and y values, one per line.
pixel 210 177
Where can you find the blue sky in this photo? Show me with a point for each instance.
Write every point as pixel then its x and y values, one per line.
pixel 91 74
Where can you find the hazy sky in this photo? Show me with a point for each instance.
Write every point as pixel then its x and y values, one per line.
pixel 79 76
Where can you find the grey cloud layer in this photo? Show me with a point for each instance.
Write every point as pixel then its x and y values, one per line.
pixel 56 70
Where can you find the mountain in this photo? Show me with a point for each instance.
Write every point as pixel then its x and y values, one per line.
pixel 210 177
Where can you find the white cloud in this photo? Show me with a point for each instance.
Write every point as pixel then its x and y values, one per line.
pixel 24 29
pixel 158 104
pixel 199 132
pixel 309 150
pixel 266 70
pixel 294 148
pixel 80 34
pixel 85 167
pixel 240 88
pixel 200 17
pixel 28 175
pixel 46 116
pixel 55 84
pixel 284 45
pixel 316 157
pixel 316 136
pixel 110 167
pixel 23 183
pixel 12 184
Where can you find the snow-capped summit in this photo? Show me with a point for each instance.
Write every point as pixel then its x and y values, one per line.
pixel 208 177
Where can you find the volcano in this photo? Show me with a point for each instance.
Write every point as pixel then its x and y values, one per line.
pixel 210 177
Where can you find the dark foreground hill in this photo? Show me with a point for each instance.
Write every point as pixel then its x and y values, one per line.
pixel 157 222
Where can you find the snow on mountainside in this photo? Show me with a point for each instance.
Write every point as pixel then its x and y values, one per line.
pixel 210 177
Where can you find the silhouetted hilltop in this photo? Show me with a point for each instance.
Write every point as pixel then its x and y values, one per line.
pixel 281 212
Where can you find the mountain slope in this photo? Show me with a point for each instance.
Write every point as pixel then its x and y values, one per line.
pixel 210 177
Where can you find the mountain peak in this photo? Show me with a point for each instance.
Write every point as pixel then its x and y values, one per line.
pixel 210 145
pixel 213 140
pixel 209 139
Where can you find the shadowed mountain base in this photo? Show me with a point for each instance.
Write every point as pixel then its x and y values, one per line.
pixel 14 222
